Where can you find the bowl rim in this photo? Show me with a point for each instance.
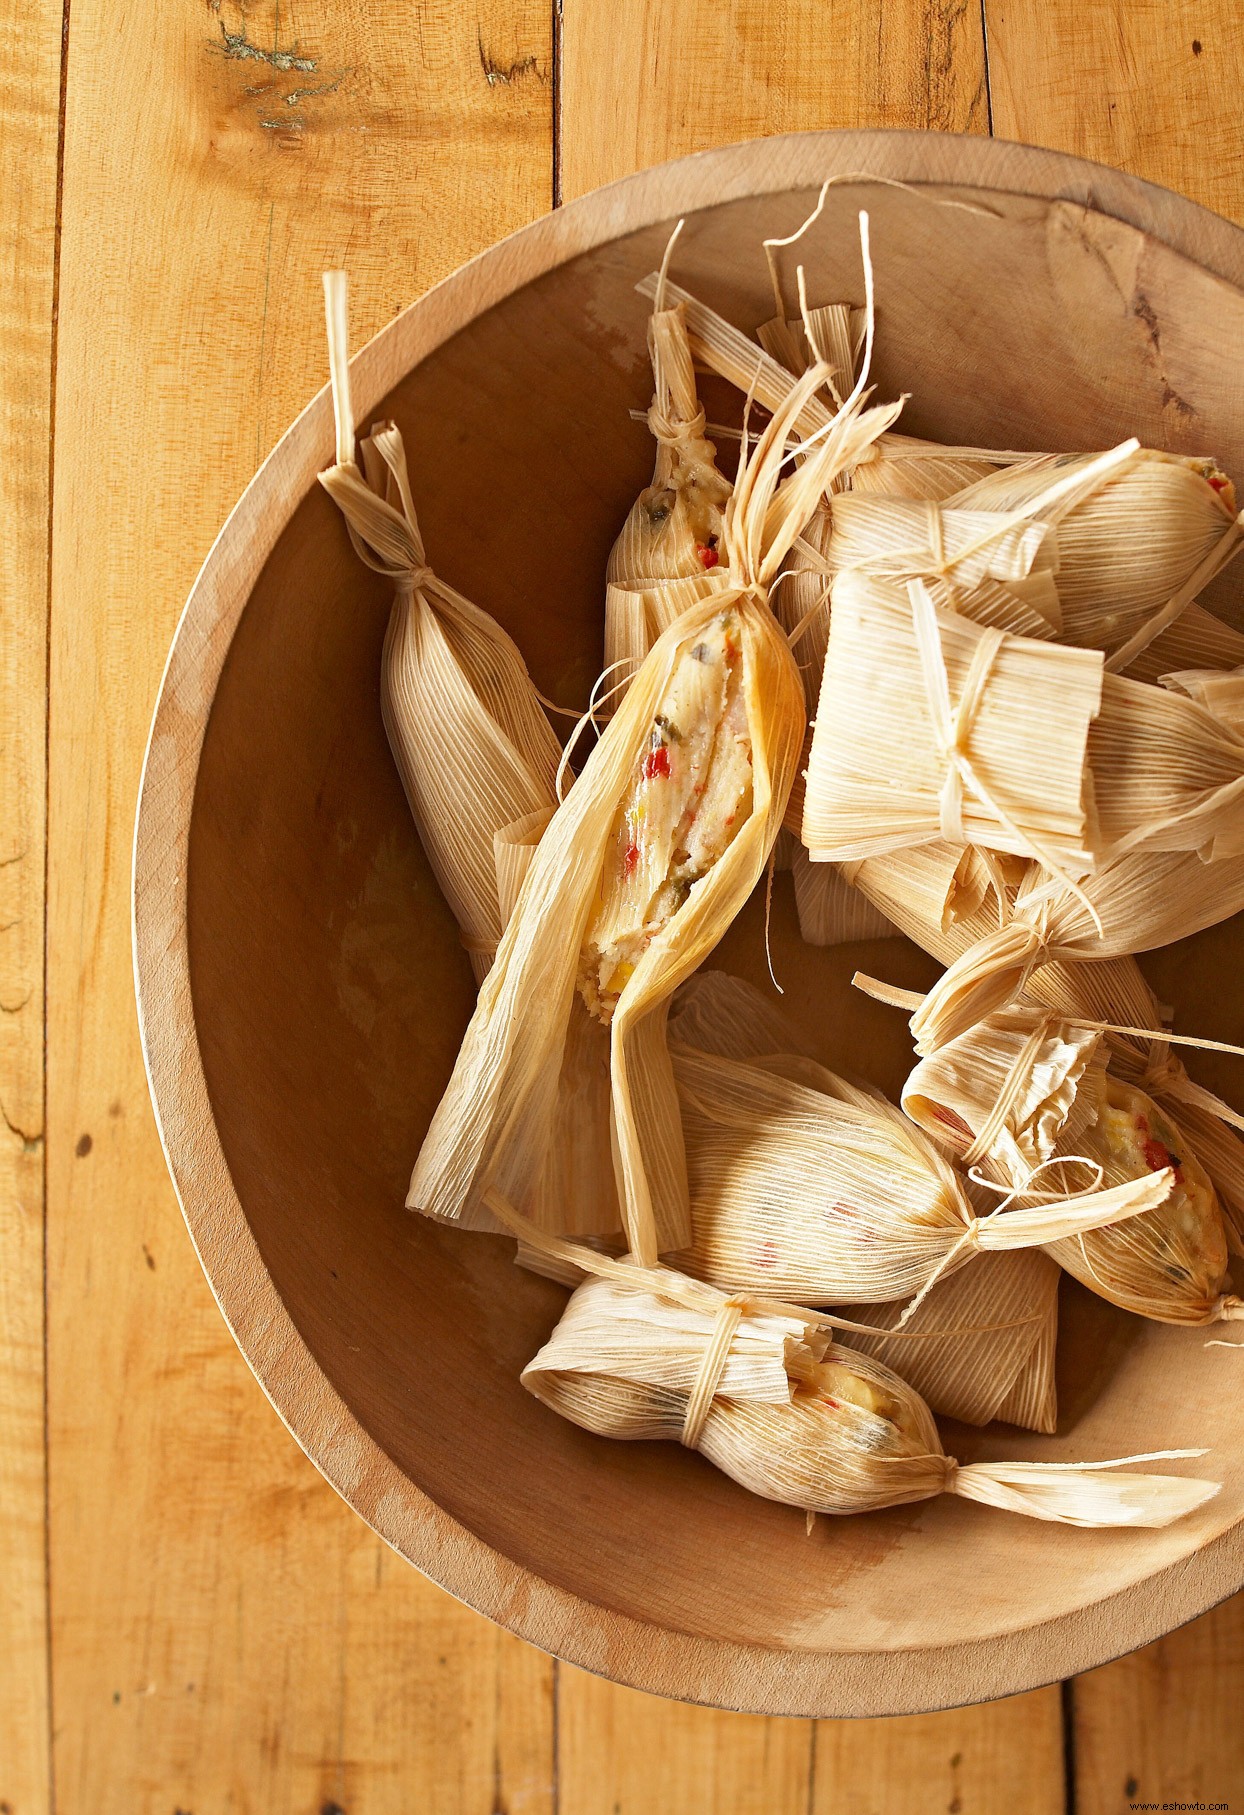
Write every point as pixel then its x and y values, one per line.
pixel 677 1663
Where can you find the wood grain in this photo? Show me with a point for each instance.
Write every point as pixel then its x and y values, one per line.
pixel 633 93
pixel 226 1634
pixel 647 80
pixel 1151 86
pixel 624 1753
pixel 1163 1726
pixel 194 1543
pixel 30 108
pixel 972 1761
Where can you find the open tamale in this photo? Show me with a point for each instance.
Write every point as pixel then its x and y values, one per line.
pixel 644 866
pixel 1025 1094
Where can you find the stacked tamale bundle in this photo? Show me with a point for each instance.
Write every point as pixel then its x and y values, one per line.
pixel 974 694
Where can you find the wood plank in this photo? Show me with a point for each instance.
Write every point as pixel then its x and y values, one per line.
pixel 646 80
pixel 226 1634
pixel 1151 86
pixel 1154 89
pixel 971 1761
pixel 1163 1726
pixel 30 109
pixel 624 1753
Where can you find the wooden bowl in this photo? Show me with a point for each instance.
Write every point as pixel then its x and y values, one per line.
pixel 303 992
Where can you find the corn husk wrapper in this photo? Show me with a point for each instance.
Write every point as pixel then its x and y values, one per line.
pixel 496 1122
pixel 1218 692
pixel 930 726
pixel 944 898
pixel 1023 1088
pixel 831 910
pixel 1197 639
pixel 1167 767
pixel 721 1014
pixel 468 734
pixel 675 526
pixel 847 1435
pixel 1128 543
pixel 987 1340
pixel 807 1187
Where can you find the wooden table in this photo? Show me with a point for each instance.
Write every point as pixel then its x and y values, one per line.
pixel 191 1620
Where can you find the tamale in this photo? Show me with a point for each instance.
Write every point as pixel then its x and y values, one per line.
pixel 1025 1089
pixel 674 529
pixel 942 896
pixel 1114 991
pixel 930 725
pixel 468 733
pixel 988 1332
pixel 795 1417
pixel 806 1186
pixel 910 743
pixel 632 885
pixel 1129 540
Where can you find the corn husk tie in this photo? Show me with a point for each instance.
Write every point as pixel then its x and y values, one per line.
pixel 495 1125
pixel 475 752
pixel 795 1418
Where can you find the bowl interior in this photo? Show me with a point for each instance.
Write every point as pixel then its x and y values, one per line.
pixel 330 991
